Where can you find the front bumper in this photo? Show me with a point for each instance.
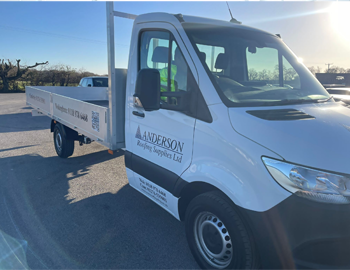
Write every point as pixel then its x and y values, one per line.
pixel 299 233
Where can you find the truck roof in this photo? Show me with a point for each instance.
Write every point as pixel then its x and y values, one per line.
pixel 174 18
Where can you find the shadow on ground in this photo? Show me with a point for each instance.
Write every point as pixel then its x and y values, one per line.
pixel 122 230
pixel 18 147
pixel 23 122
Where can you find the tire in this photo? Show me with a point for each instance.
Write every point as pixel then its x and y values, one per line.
pixel 64 147
pixel 217 236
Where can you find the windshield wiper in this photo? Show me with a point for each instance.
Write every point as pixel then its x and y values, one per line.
pixel 324 100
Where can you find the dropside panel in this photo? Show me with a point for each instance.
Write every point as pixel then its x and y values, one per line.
pixel 89 119
pixel 80 93
pixel 39 99
pixel 85 118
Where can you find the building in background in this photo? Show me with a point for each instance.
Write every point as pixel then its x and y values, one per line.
pixel 334 79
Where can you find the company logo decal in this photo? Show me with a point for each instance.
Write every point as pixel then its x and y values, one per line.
pixel 138 133
pixel 164 147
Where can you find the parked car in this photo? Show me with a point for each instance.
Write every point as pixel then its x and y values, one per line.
pixel 339 93
pixel 94 82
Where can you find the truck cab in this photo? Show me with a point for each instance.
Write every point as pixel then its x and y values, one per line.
pixel 239 123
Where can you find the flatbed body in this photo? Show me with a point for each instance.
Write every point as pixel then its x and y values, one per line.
pixel 101 103
pixel 83 109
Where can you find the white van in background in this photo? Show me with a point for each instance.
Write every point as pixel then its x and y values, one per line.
pixel 95 81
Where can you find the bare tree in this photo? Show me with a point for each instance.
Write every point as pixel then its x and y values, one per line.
pixel 10 72
pixel 336 69
pixel 68 73
pixel 289 74
pixel 53 75
pixel 263 75
pixel 312 70
pixel 252 74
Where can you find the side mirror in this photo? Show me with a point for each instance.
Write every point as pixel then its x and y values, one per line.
pixel 89 85
pixel 147 91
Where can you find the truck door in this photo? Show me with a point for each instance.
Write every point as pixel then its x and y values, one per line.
pixel 161 140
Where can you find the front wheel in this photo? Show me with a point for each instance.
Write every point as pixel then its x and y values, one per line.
pixel 217 236
pixel 64 147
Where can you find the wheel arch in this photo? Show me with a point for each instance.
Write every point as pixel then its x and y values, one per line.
pixel 53 124
pixel 192 190
pixel 70 133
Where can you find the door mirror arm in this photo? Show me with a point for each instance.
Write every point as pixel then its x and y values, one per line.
pixel 137 101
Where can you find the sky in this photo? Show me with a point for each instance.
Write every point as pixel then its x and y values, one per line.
pixel 74 33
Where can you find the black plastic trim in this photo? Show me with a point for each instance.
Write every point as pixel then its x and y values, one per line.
pixel 179 186
pixel 202 110
pixel 346 105
pixel 280 115
pixel 162 177
pixel 180 17
pixel 52 125
pixel 127 159
pixel 299 233
pixel 138 114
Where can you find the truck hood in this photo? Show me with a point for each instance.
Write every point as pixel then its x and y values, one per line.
pixel 322 141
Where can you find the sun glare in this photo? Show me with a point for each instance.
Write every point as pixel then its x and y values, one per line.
pixel 340 19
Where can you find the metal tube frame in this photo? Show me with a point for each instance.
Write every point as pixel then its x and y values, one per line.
pixel 115 96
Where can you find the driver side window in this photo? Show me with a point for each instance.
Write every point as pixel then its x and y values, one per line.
pixel 179 90
pixel 159 50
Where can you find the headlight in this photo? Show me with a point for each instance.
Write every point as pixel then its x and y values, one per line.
pixel 310 183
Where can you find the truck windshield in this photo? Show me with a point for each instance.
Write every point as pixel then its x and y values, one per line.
pixel 253 68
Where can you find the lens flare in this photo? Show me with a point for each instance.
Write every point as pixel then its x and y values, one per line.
pixel 340 19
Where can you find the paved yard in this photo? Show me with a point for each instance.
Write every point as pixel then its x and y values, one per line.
pixel 79 212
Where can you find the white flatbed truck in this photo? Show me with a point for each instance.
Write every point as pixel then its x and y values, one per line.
pixel 225 129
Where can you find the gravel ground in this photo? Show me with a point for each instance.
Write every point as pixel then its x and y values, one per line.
pixel 75 213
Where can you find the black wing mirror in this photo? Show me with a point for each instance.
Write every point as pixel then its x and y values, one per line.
pixel 147 91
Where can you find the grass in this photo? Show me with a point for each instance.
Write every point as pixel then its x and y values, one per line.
pixel 20 87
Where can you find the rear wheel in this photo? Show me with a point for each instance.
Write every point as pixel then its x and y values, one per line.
pixel 64 147
pixel 217 236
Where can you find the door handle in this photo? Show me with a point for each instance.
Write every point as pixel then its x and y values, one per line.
pixel 138 114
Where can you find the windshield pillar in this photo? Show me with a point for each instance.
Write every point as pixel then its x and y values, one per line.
pixel 280 69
